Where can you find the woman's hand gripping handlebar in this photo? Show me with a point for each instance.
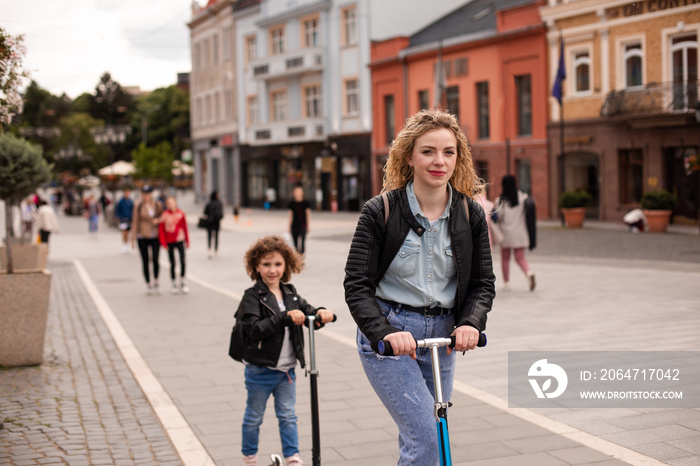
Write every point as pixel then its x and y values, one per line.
pixel 385 349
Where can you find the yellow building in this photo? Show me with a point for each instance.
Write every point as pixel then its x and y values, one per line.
pixel 630 102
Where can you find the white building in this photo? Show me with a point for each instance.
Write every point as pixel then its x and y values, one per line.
pixel 290 102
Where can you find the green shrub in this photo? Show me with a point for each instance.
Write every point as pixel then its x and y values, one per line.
pixel 573 199
pixel 658 200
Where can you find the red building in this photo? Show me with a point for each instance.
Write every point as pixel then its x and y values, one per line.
pixel 494 65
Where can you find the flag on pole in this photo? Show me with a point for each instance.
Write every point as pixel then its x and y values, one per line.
pixel 440 79
pixel 561 74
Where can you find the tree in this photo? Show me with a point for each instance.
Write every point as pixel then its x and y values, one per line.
pixel 12 75
pixel 165 115
pixel 110 102
pixel 22 170
pixel 154 163
pixel 76 148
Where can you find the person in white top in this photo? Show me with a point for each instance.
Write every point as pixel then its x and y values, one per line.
pixel 46 221
pixel 510 211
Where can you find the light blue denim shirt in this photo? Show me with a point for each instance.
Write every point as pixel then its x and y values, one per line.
pixel 423 273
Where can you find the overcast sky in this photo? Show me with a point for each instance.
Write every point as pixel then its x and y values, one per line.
pixel 70 43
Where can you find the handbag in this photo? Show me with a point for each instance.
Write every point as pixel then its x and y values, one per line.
pixel 203 222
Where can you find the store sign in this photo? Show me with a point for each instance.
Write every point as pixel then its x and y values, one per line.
pixel 648 6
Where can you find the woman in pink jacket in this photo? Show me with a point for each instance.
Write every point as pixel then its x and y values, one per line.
pixel 173 235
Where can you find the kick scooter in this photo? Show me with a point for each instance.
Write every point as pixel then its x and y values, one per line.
pixel 313 373
pixel 441 406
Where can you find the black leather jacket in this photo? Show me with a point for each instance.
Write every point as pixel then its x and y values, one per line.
pixel 264 323
pixel 375 245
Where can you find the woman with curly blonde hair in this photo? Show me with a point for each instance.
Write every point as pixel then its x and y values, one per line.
pixel 420 267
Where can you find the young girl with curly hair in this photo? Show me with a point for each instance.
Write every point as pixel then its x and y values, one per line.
pixel 420 267
pixel 272 313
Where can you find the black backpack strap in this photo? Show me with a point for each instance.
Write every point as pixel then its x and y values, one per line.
pixel 385 198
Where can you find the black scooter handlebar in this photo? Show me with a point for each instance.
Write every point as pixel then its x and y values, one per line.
pixel 385 348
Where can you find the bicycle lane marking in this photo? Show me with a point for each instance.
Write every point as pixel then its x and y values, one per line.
pixel 188 446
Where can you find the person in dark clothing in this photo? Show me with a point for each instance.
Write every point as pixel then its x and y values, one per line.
pixel 214 211
pixel 299 218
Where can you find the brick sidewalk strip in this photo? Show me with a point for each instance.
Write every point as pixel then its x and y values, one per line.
pixel 83 405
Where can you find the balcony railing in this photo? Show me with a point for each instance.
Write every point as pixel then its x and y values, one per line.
pixel 654 98
pixel 290 63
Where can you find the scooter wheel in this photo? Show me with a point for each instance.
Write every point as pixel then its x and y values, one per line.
pixel 276 460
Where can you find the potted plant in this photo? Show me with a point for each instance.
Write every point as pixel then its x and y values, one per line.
pixel 25 293
pixel 657 206
pixel 573 206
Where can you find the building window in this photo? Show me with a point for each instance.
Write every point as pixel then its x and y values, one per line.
pixel 631 175
pixel 279 105
pixel 352 97
pixel 423 100
pixel 205 53
pixel 523 89
pixel 197 56
pixel 199 114
pixel 523 174
pixel 349 26
pixel 482 171
pixel 226 43
pixel 452 100
pixel 253 112
pixel 228 105
pixel 684 50
pixel 251 48
pixel 461 66
pixel 482 105
pixel 633 65
pixel 207 108
pixel 215 49
pixel 217 108
pixel 312 97
pixel 582 71
pixel 311 32
pixel 389 118
pixel 277 40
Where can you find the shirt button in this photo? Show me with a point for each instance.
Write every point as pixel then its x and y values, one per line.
pixel 430 253
pixel 430 299
pixel 428 276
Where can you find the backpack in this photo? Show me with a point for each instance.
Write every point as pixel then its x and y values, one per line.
pixel 239 340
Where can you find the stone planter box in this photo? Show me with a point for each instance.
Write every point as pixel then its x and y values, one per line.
pixel 24 309
pixel 25 256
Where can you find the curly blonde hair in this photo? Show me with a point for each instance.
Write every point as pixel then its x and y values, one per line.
pixel 397 171
pixel 267 245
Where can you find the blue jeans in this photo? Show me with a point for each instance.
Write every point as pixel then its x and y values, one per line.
pixel 406 386
pixel 262 382
pixel 92 223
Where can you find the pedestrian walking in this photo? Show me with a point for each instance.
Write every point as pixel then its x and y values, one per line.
pixel 420 267
pixel 146 218
pixel 512 218
pixel 28 209
pixel 92 213
pixel 214 212
pixel 299 218
pixel 173 235
pixel 124 213
pixel 272 313
pixel 46 221
pixel 104 202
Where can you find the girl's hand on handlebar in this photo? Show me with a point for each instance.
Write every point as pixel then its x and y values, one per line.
pixel 325 316
pixel 297 316
pixel 402 343
pixel 466 338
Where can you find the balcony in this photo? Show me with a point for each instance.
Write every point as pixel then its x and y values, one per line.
pixel 284 132
pixel 299 61
pixel 652 99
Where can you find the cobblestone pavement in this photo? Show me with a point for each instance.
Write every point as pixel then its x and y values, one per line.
pixel 82 406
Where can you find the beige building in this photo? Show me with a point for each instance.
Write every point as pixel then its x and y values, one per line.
pixel 630 101
pixel 213 100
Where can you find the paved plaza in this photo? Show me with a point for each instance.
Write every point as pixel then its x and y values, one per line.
pixel 131 378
